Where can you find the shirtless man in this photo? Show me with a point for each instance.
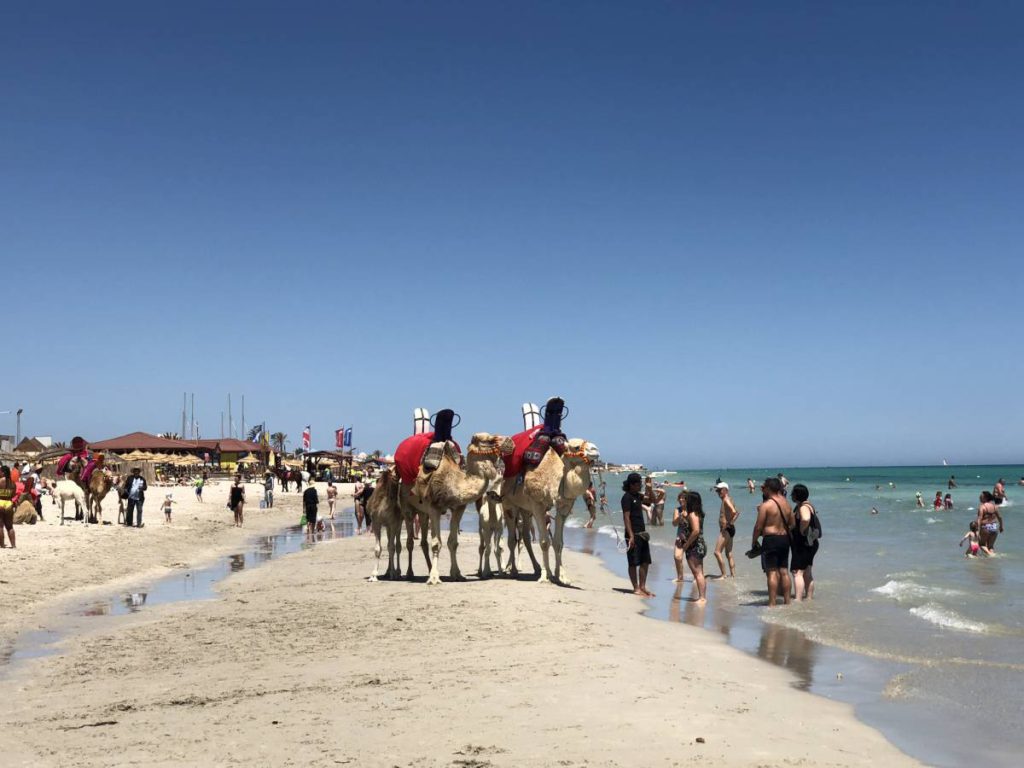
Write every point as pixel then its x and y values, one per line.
pixel 999 491
pixel 750 485
pixel 774 520
pixel 727 517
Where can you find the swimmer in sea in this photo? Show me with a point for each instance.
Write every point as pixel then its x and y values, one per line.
pixel 920 501
pixel 971 537
pixel 874 510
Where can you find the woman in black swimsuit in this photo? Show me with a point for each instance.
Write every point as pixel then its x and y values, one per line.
pixel 802 552
pixel 236 501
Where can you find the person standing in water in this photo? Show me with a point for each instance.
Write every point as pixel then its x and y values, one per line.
pixel 774 521
pixel 691 541
pixel 638 545
pixel 236 501
pixel 727 517
pixel 750 485
pixel 990 522
pixel 952 483
pixel 804 549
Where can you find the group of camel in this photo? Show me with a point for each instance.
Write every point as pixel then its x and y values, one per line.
pixel 520 504
pixel 88 496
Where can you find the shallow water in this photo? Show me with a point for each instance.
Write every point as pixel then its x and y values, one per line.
pixel 188 584
pixel 922 636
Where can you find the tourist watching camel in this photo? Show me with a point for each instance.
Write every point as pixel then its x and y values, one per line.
pixel 638 543
pixel 6 505
pixel 135 487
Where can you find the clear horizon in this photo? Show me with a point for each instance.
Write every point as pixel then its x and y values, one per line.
pixel 721 233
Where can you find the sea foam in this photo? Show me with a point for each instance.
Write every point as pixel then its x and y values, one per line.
pixel 944 617
pixel 909 590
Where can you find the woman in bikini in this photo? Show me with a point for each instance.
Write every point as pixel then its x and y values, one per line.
pixel 691 541
pixel 990 522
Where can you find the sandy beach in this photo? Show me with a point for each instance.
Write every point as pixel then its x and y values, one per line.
pixel 55 563
pixel 304 662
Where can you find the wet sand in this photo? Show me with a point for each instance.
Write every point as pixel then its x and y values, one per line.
pixel 304 662
pixel 53 564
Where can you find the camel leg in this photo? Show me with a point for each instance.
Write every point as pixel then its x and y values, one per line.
pixel 526 537
pixel 560 517
pixel 545 545
pixel 62 510
pixel 433 529
pixel 453 542
pixel 497 514
pixel 410 541
pixel 512 538
pixel 376 549
pixel 484 567
pixel 395 549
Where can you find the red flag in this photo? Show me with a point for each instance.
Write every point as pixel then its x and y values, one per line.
pixel 339 437
pixel 306 438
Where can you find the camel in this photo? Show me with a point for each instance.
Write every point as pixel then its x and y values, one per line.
pixel 449 487
pixel 556 482
pixel 64 490
pixel 385 512
pixel 99 486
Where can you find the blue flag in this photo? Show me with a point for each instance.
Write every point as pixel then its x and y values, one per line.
pixel 348 437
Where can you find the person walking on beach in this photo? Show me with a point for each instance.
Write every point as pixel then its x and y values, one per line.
pixel 774 521
pixel 727 517
pixel 806 532
pixel 168 501
pixel 236 500
pixel 691 541
pixel 638 544
pixel 6 505
pixel 310 502
pixel 199 488
pixel 332 497
pixel 677 520
pixel 990 522
pixel 268 490
pixel 135 487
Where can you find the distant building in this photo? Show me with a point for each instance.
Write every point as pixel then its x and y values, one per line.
pixel 31 445
pixel 6 443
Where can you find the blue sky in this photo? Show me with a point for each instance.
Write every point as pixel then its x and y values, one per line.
pixel 729 234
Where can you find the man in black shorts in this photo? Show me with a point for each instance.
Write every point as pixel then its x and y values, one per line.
pixel 638 544
pixel 310 502
pixel 774 521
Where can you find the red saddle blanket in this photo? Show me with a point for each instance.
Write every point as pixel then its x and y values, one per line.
pixel 409 456
pixel 522 441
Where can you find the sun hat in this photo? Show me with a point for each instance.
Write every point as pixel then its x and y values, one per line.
pixel 721 486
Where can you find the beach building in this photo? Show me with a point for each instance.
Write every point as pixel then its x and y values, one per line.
pixel 225 453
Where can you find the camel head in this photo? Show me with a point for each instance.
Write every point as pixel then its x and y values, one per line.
pixel 578 457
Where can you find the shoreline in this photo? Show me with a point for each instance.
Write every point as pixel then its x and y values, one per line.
pixel 270 648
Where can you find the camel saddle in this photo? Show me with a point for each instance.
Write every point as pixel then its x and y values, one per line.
pixel 411 454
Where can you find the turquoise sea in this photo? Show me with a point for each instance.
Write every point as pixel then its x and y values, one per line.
pixel 925 643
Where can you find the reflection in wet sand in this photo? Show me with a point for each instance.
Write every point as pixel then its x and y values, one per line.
pixel 791 649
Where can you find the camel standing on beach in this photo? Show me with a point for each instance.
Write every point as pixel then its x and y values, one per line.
pixel 492 521
pixel 385 513
pixel 450 488
pixel 556 482
pixel 99 486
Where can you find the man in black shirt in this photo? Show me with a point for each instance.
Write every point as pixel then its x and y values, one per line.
pixel 310 502
pixel 638 544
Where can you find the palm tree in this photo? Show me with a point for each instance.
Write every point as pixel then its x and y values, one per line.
pixel 170 435
pixel 280 441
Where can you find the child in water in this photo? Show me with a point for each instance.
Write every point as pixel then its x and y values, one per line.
pixel 948 501
pixel 971 537
pixel 937 504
